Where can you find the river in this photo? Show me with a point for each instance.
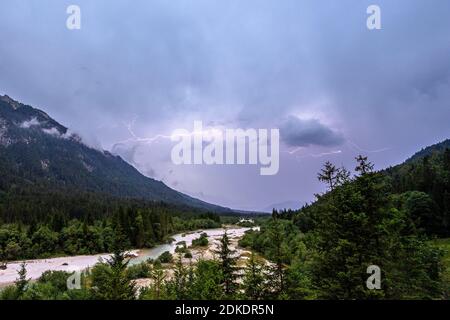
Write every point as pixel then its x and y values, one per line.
pixel 36 267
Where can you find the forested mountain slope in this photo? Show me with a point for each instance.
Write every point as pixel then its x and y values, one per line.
pixel 38 154
pixel 425 180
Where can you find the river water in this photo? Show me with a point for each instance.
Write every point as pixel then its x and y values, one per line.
pixel 155 252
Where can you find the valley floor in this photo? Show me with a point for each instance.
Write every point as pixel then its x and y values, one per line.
pixel 207 253
pixel 36 267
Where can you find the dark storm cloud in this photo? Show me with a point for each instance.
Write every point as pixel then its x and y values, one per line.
pixel 250 61
pixel 296 132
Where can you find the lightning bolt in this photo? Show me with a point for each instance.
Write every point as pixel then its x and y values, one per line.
pixel 354 146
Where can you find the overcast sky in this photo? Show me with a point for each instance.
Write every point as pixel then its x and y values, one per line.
pixel 139 69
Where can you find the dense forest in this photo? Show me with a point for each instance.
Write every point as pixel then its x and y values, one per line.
pixel 424 182
pixel 386 218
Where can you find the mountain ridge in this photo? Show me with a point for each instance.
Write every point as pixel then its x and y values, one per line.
pixel 429 150
pixel 37 151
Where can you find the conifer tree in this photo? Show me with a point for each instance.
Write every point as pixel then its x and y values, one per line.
pixel 179 285
pixel 158 276
pixel 228 267
pixel 116 285
pixel 328 175
pixel 22 281
pixel 254 280
pixel 140 231
pixel 276 281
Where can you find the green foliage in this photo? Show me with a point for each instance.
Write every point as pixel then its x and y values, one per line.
pixel 137 271
pixel 14 243
pixel 254 282
pixel 202 241
pixel 413 270
pixel 80 238
pixel 245 224
pixel 324 249
pixel 227 263
pixel 298 283
pixel 157 290
pixel 110 280
pixel 166 257
pixel 9 293
pixel 444 246
pixel 207 282
pixel 22 281
pixel 181 247
pixel 183 250
pixel 178 287
pixel 278 239
pixel 141 226
pixel 44 240
pixel 357 226
pixel 427 172
pixel 100 276
pixel 52 285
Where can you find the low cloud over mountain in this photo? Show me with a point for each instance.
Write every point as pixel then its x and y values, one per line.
pixel 297 132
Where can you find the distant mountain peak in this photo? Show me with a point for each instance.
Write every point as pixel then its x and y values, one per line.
pixel 13 103
pixel 21 115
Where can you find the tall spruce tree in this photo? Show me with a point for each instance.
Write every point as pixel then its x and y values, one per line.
pixel 178 287
pixel 277 270
pixel 228 267
pixel 119 286
pixel 157 290
pixel 254 279
pixel 22 282
pixel 328 175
